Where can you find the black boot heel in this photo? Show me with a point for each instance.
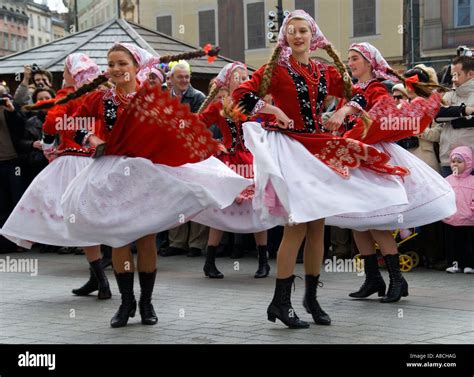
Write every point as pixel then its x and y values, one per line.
pixel 310 302
pixel 281 308
pixel 398 287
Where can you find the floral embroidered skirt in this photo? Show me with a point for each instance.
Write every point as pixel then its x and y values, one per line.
pixel 295 186
pixel 118 200
pixel 430 198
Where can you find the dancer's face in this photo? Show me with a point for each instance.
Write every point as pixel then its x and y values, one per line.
pixel 153 79
pixel 358 65
pixel 457 165
pixel 298 35
pixel 238 77
pixel 122 68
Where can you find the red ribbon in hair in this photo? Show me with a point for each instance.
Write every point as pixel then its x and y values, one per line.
pixel 410 81
pixel 211 52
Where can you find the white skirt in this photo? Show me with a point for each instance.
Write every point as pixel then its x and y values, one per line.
pixel 118 200
pixel 306 187
pixel 38 216
pixel 430 198
pixel 237 218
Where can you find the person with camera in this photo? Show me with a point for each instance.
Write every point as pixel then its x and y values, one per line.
pixel 39 79
pixel 31 148
pixel 458 126
pixel 12 185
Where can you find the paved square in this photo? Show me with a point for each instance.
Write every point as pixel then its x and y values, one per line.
pixel 196 310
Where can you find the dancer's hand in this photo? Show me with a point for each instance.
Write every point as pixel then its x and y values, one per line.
pixel 283 120
pixel 95 141
pixel 50 154
pixel 239 199
pixel 221 149
pixel 335 121
pixel 37 144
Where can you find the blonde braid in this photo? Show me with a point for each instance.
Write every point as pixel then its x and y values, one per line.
pixel 342 71
pixel 267 73
pixel 210 97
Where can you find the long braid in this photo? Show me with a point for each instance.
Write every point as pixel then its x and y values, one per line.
pixel 210 97
pixel 189 55
pixel 86 88
pixel 267 73
pixel 346 78
pixel 342 70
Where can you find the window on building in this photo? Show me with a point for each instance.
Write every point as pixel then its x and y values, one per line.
pixel 207 27
pixel 32 41
pixel 256 25
pixel 5 41
pixel 40 41
pixel 163 24
pixel 32 21
pixel 306 5
pixel 464 13
pixel 364 17
pixel 14 42
pixel 38 22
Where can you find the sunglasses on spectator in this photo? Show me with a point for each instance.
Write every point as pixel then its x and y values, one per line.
pixel 398 97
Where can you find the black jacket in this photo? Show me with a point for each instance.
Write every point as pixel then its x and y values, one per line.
pixel 16 126
pixel 33 132
pixel 194 98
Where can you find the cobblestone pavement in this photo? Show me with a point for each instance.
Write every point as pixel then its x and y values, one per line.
pixel 196 310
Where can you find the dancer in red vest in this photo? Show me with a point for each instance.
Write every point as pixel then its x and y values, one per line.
pixel 304 175
pixel 165 178
pixel 430 198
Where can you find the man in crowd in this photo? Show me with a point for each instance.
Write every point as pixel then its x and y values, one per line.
pixel 458 128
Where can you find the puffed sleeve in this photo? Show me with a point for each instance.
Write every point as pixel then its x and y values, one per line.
pixel 89 107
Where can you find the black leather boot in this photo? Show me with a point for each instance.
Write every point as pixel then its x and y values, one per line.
pixel 210 268
pixel 129 305
pixel 310 302
pixel 97 281
pixel 281 308
pixel 147 312
pixel 263 266
pixel 374 282
pixel 398 286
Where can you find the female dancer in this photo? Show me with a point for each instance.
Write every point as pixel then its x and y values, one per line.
pixel 302 175
pixel 118 200
pixel 240 217
pixel 38 217
pixel 430 197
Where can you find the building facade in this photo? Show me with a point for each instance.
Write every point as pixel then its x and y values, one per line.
pixel 13 27
pixel 92 12
pixel 240 27
pixel 444 25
